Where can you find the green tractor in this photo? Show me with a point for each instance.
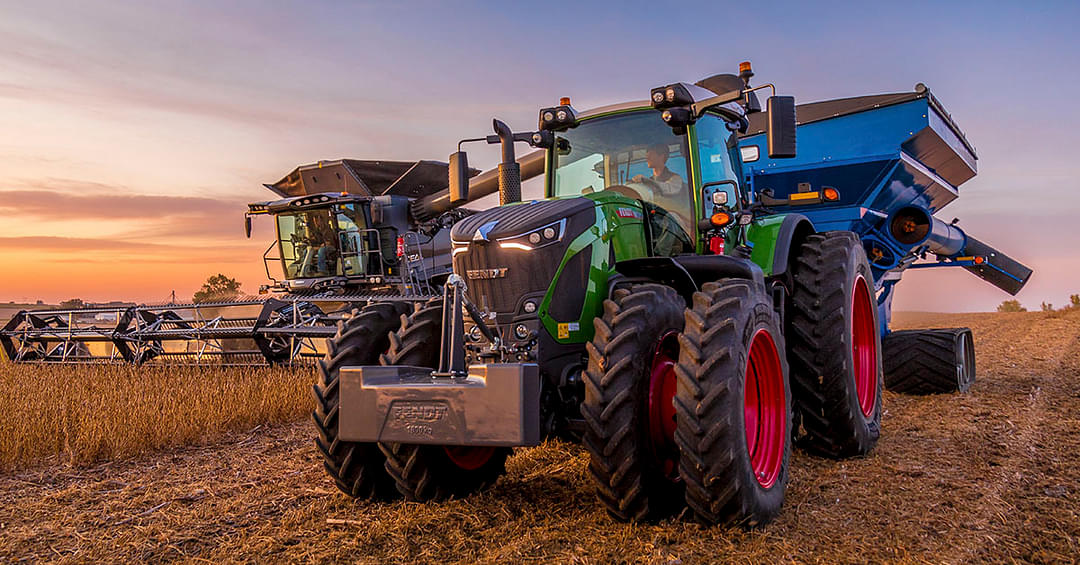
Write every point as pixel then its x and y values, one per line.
pixel 648 306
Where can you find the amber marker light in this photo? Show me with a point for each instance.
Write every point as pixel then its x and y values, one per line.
pixel 720 219
pixel 564 101
pixel 800 196
pixel 830 194
pixel 979 260
pixel 744 66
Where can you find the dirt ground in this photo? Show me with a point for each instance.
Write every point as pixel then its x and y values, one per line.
pixel 991 476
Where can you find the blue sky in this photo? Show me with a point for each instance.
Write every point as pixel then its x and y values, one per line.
pixel 197 103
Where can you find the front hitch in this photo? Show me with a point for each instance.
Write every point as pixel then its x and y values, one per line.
pixel 452 348
pixel 481 405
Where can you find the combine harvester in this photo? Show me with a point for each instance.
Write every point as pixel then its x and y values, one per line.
pixel 345 237
pixel 692 297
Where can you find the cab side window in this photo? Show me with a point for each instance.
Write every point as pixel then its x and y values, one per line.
pixel 718 146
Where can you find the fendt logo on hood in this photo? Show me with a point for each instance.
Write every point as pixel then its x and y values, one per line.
pixel 483 231
pixel 484 274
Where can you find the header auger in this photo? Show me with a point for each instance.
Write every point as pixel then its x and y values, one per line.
pixel 692 296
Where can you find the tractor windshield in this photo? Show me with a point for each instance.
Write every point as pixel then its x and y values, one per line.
pixel 321 243
pixel 635 154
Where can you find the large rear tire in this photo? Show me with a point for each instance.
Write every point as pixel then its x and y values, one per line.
pixel 628 411
pixel 929 361
pixel 834 346
pixel 733 404
pixel 357 468
pixel 434 472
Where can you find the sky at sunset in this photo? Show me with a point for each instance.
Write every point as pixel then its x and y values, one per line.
pixel 133 134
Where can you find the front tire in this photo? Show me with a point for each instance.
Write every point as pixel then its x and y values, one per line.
pixel 628 411
pixel 434 472
pixel 835 346
pixel 357 468
pixel 733 404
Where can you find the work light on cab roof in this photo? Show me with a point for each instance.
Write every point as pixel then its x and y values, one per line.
pixel 558 118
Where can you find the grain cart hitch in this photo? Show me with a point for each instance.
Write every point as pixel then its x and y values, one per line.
pixel 481 405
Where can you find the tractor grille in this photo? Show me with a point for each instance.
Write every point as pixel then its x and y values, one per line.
pixel 526 271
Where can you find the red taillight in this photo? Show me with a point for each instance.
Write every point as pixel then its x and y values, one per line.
pixel 716 245
pixel 400 246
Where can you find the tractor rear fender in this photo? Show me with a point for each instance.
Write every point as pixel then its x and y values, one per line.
pixel 774 237
pixel 685 273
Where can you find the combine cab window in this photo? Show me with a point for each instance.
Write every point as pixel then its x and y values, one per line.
pixel 637 155
pixel 309 244
pixel 351 225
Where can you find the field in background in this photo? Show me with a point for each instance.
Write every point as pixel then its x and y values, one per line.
pixel 988 477
pixel 80 414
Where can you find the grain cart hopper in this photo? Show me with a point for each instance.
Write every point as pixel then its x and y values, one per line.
pixel 686 325
pixel 345 237
pixel 901 160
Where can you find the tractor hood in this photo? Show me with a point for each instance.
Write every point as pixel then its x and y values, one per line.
pixel 507 222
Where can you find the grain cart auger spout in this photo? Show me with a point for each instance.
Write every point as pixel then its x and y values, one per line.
pixel 345 240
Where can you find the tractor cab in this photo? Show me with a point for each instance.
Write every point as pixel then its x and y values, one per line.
pixel 679 177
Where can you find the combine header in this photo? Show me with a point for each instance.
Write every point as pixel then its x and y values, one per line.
pixel 345 236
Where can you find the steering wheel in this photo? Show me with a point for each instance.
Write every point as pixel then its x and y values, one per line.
pixel 655 186
pixel 625 191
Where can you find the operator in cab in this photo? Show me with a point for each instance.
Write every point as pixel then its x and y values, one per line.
pixel 667 183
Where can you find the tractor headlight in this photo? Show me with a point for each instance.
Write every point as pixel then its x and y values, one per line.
pixel 535 239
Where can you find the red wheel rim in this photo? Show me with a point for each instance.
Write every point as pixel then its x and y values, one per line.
pixel 662 386
pixel 469 458
pixel 765 409
pixel 864 346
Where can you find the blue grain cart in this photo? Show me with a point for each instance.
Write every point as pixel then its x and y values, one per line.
pixel 881 166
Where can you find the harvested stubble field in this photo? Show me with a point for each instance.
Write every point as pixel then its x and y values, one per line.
pixel 992 476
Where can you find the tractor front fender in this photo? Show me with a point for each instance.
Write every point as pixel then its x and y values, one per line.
pixel 773 239
pixel 686 273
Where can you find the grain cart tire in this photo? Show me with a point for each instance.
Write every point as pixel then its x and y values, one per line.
pixel 929 361
pixel 434 472
pixel 834 346
pixel 733 404
pixel 628 411
pixel 357 468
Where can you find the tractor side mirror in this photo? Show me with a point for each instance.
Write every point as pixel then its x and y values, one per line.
pixel 247 225
pixel 780 131
pixel 459 178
